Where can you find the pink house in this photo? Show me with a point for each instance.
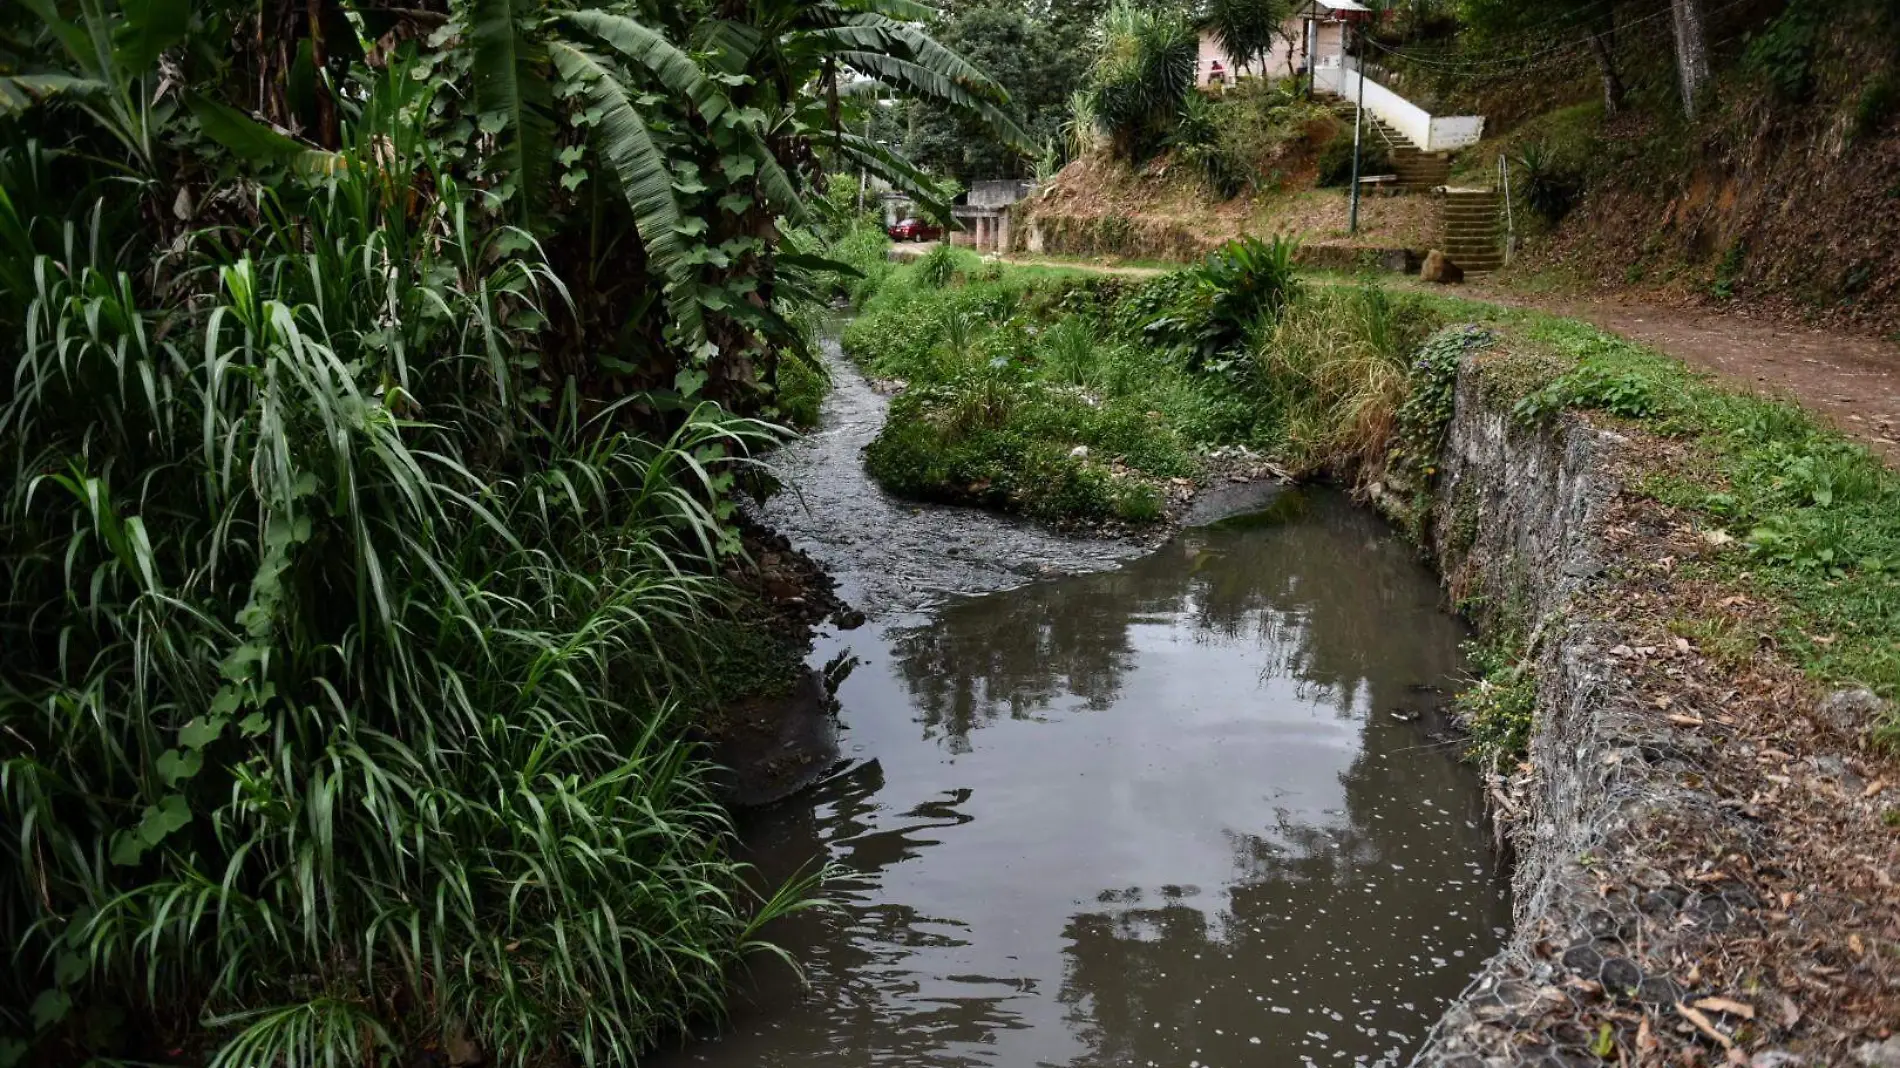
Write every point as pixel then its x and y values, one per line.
pixel 1314 34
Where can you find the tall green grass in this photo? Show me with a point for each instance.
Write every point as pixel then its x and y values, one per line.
pixel 343 648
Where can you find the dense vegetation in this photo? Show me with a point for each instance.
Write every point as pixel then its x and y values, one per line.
pixel 1038 52
pixel 377 380
pixel 1077 398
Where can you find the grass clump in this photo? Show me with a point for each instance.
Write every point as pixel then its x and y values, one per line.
pixel 1499 707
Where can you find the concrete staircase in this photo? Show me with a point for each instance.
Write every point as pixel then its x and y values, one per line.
pixel 1468 229
pixel 1419 171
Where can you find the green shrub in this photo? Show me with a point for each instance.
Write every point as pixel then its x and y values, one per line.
pixel 1232 293
pixel 802 385
pixel 1425 414
pixel 1197 142
pixel 1598 384
pixel 1783 53
pixel 939 266
pixel 1875 108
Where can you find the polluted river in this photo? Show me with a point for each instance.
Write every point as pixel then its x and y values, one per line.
pixel 1106 805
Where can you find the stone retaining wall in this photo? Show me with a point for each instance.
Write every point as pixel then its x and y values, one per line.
pixel 1601 923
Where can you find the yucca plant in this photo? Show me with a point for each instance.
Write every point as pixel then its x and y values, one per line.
pixel 1143 70
pixel 1245 29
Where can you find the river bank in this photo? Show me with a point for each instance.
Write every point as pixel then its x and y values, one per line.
pixel 1678 589
pixel 1705 865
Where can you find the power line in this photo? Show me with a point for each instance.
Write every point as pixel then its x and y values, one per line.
pixel 1516 63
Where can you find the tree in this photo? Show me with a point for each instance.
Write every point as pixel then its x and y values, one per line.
pixel 1556 22
pixel 1692 52
pixel 1142 71
pixel 1038 55
pixel 1246 29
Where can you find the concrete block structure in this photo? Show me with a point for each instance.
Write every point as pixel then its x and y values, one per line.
pixel 982 214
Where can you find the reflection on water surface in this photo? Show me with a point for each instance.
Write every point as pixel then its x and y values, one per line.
pixel 1190 812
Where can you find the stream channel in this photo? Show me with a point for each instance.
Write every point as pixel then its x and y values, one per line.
pixel 1105 806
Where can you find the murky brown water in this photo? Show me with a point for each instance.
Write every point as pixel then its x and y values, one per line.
pixel 1194 811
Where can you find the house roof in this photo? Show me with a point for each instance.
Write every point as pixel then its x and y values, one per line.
pixel 1321 9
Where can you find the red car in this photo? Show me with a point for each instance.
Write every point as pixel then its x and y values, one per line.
pixel 915 230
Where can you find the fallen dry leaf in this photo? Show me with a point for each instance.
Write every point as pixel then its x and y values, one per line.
pixel 1727 1005
pixel 1703 1024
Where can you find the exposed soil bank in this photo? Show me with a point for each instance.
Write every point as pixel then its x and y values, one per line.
pixel 1702 871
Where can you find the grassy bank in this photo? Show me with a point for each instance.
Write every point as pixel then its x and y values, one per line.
pixel 1078 398
pixel 1791 514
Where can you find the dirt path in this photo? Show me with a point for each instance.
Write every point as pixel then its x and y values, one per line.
pixel 1851 381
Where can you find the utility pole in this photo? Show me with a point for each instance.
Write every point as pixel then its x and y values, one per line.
pixel 1358 120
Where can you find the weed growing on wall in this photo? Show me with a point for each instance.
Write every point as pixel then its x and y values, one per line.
pixel 1499 707
pixel 1432 386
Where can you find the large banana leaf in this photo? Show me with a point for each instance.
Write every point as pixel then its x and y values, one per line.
pixel 922 81
pixel 622 140
pixel 902 174
pixel 22 91
pixel 252 140
pixel 511 83
pixel 653 53
pixel 678 74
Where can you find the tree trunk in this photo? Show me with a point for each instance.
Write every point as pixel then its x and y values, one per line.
pixel 1603 49
pixel 326 133
pixel 1692 51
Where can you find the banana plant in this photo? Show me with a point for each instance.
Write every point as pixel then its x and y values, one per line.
pixel 110 70
pixel 710 123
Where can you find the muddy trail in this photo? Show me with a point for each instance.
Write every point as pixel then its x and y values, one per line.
pixel 1852 381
